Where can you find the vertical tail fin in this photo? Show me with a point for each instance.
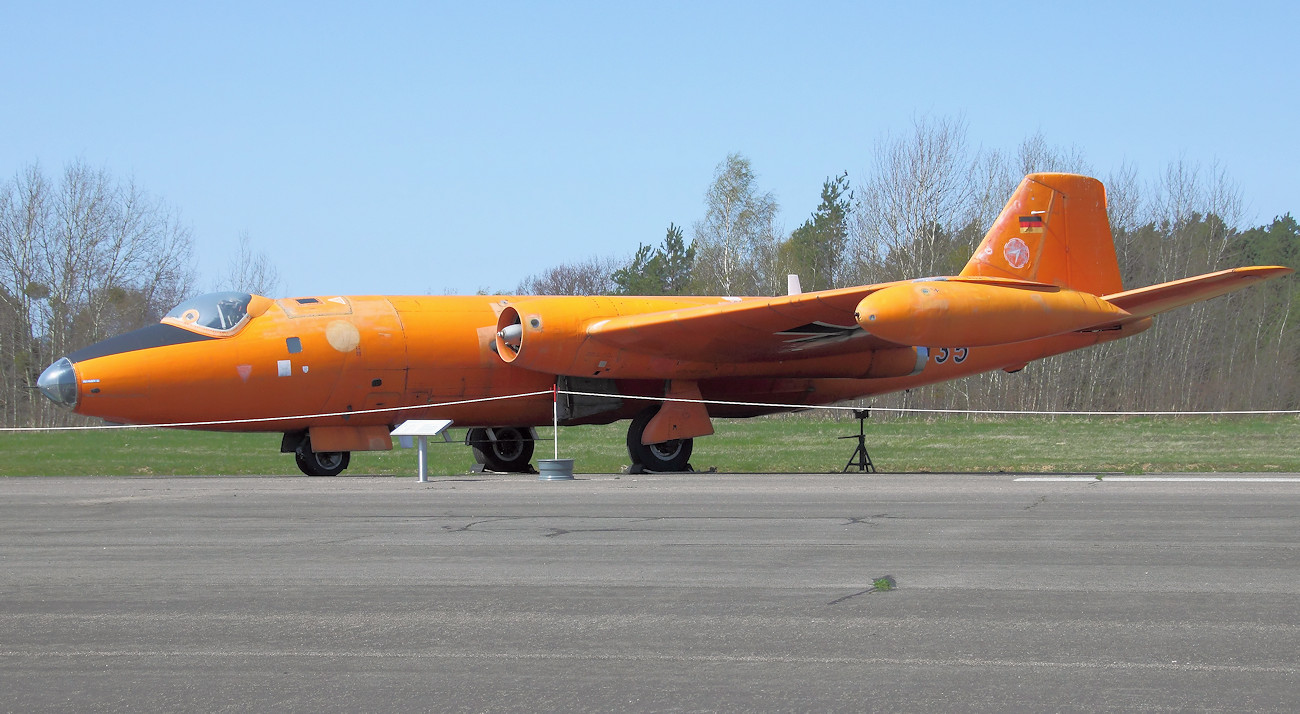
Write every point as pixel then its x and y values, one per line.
pixel 1053 230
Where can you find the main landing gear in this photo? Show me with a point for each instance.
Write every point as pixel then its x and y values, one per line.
pixel 507 449
pixel 672 455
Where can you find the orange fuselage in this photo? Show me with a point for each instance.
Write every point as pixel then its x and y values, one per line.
pixel 398 358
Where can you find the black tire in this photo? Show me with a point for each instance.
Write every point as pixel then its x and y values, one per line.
pixel 321 463
pixel 510 452
pixel 672 455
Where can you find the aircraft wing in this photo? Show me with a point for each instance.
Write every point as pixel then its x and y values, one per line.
pixel 822 324
pixel 816 324
pixel 813 324
pixel 1155 299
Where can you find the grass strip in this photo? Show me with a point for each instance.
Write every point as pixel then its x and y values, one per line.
pixel 782 444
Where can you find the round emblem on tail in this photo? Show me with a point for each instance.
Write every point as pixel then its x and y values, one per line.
pixel 1016 253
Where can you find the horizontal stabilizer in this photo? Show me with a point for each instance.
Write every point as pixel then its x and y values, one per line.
pixel 1155 299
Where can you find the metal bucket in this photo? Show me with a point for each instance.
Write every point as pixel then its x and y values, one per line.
pixel 554 469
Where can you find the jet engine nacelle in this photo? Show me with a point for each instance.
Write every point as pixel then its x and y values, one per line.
pixel 552 336
pixel 544 343
pixel 960 314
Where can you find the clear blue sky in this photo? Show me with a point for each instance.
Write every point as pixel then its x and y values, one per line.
pixel 447 147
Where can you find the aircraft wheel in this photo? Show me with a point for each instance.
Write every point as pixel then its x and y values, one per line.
pixel 511 452
pixel 672 455
pixel 321 463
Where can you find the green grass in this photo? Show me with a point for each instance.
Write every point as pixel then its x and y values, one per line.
pixel 772 444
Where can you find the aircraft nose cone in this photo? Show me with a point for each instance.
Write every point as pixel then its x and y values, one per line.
pixel 59 383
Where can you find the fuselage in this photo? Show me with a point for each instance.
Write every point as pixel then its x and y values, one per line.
pixel 336 361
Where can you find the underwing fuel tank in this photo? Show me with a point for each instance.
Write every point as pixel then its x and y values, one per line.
pixel 941 313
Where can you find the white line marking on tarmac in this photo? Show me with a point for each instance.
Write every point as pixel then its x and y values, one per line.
pixel 757 658
pixel 1165 479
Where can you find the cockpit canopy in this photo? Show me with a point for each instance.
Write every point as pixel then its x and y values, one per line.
pixel 216 314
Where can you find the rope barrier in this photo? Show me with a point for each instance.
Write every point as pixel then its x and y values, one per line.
pixel 718 402
pixel 902 410
pixel 224 422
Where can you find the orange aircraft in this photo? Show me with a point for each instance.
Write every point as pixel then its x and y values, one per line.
pixel 336 374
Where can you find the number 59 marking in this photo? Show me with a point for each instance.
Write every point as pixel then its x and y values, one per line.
pixel 957 355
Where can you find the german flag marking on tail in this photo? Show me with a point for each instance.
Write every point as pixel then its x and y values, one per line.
pixel 1031 224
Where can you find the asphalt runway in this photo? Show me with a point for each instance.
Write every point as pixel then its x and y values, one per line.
pixel 650 593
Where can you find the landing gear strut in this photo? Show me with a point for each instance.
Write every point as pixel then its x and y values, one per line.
pixel 672 455
pixel 507 449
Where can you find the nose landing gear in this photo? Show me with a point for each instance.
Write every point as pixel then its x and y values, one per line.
pixel 314 463
pixel 322 463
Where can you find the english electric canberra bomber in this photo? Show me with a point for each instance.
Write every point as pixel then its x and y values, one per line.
pixel 336 374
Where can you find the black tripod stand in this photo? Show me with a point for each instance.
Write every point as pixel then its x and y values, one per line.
pixel 860 458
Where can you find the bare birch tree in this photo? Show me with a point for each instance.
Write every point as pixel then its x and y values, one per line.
pixel 735 243
pixel 250 271
pixel 917 192
pixel 80 260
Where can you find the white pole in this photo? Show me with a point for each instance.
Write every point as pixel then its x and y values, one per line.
pixel 424 459
pixel 555 418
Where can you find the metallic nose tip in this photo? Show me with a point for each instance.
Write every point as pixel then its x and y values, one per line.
pixel 59 383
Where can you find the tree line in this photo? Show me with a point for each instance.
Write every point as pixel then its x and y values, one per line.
pixel 921 207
